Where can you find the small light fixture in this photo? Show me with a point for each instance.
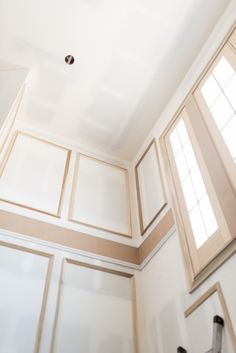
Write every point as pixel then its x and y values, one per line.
pixel 69 59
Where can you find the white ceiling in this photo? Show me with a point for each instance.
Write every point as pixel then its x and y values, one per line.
pixel 130 56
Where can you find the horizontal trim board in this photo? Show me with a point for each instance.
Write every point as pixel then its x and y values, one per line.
pixel 156 236
pixel 84 242
pixel 99 268
pixel 67 237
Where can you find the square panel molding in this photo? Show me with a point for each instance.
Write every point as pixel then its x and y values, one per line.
pixel 100 196
pixel 33 174
pixel 150 187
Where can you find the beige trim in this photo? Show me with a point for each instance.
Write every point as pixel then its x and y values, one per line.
pixel 67 237
pixel 195 277
pixel 216 288
pixel 201 262
pixel 16 103
pixel 8 153
pixel 155 237
pixel 232 40
pixel 134 311
pixel 220 144
pixel 99 268
pixel 213 264
pixel 45 291
pixel 94 267
pixel 44 303
pixel 73 193
pixel 85 242
pixel 66 168
pixel 54 330
pixel 144 229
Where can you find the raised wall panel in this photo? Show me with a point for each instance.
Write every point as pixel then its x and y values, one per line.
pixel 23 276
pixel 150 189
pixel 94 312
pixel 199 324
pixel 100 196
pixel 33 173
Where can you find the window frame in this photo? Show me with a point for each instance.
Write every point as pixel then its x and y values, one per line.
pixel 230 55
pixel 216 176
pixel 198 256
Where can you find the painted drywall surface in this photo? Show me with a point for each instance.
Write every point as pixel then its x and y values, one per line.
pixel 95 312
pixel 22 280
pixel 32 185
pixel 95 308
pixel 163 297
pixel 11 80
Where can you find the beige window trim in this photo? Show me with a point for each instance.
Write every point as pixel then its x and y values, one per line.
pixel 232 40
pixel 218 171
pixel 230 54
pixel 198 257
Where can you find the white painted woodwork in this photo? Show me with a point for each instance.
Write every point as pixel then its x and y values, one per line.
pixel 22 281
pixel 150 186
pixel 95 309
pixel 162 298
pixel 33 174
pixel 95 312
pixel 101 196
pixel 200 327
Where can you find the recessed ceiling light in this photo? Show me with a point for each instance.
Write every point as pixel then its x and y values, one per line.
pixel 69 59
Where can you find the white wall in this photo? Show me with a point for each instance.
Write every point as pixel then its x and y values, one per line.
pixel 46 181
pixel 95 312
pixel 11 79
pixel 51 302
pixel 163 298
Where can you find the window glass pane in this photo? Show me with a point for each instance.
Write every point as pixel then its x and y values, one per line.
pixel 208 215
pixel 189 155
pixel 182 132
pixel 229 135
pixel 198 183
pixel 189 194
pixel 223 72
pixel 221 111
pixel 230 92
pixel 198 228
pixel 181 165
pixel 194 190
pixel 210 90
pixel 224 106
pixel 175 142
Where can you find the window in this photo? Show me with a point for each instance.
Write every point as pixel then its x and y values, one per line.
pixel 200 149
pixel 216 97
pixel 201 214
pixel 219 92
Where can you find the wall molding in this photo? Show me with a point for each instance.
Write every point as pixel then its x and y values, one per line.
pixel 46 286
pixel 129 276
pixel 6 157
pixel 75 188
pixel 138 191
pixel 25 229
pixel 216 288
